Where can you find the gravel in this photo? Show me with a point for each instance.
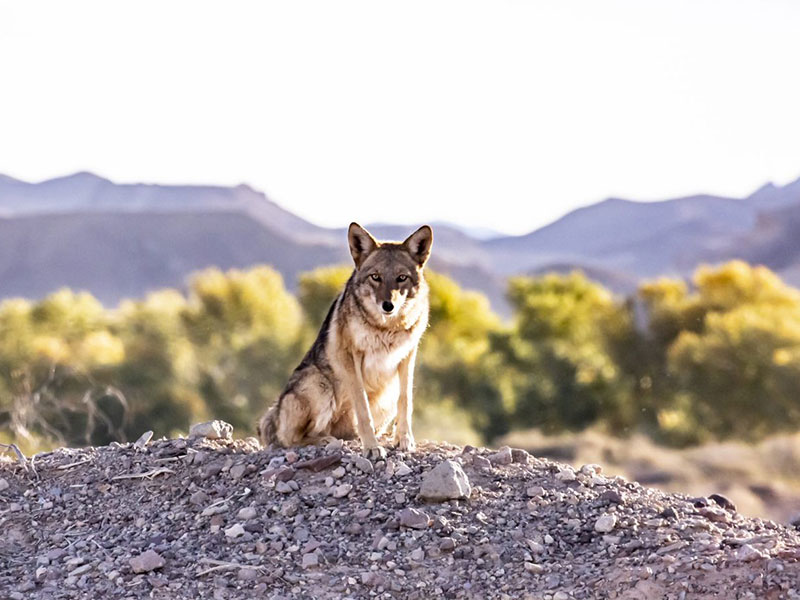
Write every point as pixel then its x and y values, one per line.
pixel 208 518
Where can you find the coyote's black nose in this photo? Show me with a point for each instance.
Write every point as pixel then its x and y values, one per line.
pixel 387 306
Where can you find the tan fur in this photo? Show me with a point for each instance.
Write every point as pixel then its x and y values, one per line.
pixel 357 378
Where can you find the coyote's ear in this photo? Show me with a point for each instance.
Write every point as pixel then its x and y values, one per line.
pixel 419 244
pixel 361 243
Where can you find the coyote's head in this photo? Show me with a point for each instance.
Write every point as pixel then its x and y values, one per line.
pixel 388 279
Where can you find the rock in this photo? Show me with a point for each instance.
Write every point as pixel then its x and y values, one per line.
pixel 237 471
pixel 363 464
pixel 247 574
pixel 479 462
pixel 321 463
pixel 338 473
pixel 605 523
pixel 310 560
pixel 3 485
pixel 518 455
pixel 402 469
pixel 534 491
pixel 566 475
pixel 285 474
pixel 503 456
pixel 747 553
pixel 718 515
pixel 532 567
pixel 340 491
pixel 413 518
pixel 199 498
pixel 561 596
pixel 447 544
pixel 723 502
pixel 143 439
pixel 146 562
pixel 234 531
pixel 446 481
pixel 283 487
pixel 417 555
pixel 247 513
pixel 611 496
pixel 212 430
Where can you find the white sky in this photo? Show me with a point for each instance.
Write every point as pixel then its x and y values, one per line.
pixel 500 114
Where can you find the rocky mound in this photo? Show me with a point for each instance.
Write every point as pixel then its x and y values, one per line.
pixel 202 518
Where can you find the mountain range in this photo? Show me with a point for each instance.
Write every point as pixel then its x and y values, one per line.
pixel 123 240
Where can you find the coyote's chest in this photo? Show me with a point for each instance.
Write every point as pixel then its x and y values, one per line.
pixel 382 351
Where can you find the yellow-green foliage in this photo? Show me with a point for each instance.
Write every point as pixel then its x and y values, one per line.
pixel 683 363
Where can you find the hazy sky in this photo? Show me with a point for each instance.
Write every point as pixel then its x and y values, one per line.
pixel 500 114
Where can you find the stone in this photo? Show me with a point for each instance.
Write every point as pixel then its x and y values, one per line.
pixel 212 430
pixel 532 567
pixel 3 485
pixel 319 464
pixel 723 502
pixel 237 471
pixel 747 553
pixel 234 531
pixel 310 560
pixel 338 473
pixel 146 562
pixel 363 464
pixel 143 439
pixel 534 491
pixel 402 469
pixel 503 456
pixel 334 445
pixel 566 475
pixel 447 544
pixel 605 523
pixel 247 574
pixel 283 487
pixel 417 554
pixel 340 491
pixel 246 513
pixel 480 462
pixel 518 455
pixel 284 474
pixel 413 518
pixel 446 481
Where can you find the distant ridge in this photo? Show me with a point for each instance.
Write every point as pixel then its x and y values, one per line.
pixel 123 240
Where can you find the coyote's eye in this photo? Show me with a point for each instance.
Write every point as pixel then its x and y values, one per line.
pixel 375 277
pixel 401 278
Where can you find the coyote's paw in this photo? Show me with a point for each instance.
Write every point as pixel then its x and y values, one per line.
pixel 375 453
pixel 405 442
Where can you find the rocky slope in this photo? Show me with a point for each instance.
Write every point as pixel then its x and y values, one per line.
pixel 202 518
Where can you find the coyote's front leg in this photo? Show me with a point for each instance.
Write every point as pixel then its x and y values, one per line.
pixel 403 437
pixel 366 428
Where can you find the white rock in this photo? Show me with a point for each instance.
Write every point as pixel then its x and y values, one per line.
pixel 3 485
pixel 605 523
pixel 446 481
pixel 248 512
pixel 418 554
pixel 283 487
pixel 213 430
pixel 310 560
pixel 566 474
pixel 338 472
pixel 146 562
pixel 234 531
pixel 402 469
pixel 503 456
pixel 340 491
pixel 748 553
pixel 363 464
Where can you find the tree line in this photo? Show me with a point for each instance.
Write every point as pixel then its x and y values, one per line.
pixel 715 358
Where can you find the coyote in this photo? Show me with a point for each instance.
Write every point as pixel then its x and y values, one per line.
pixel 357 376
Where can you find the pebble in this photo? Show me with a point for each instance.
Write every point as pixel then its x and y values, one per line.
pixel 518 455
pixel 417 555
pixel 605 523
pixel 310 560
pixel 534 491
pixel 340 491
pixel 413 518
pixel 146 562
pixel 503 456
pixel 247 513
pixel 534 568
pixel 283 487
pixel 747 553
pixel 247 574
pixel 334 445
pixel 446 481
pixel 566 474
pixel 479 462
pixel 3 485
pixel 212 430
pixel 237 471
pixel 402 469
pixel 363 464
pixel 338 473
pixel 234 531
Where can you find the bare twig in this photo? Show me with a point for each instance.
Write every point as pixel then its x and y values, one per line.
pixel 74 464
pixel 222 564
pixel 148 474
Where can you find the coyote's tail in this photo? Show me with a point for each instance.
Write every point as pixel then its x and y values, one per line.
pixel 268 427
